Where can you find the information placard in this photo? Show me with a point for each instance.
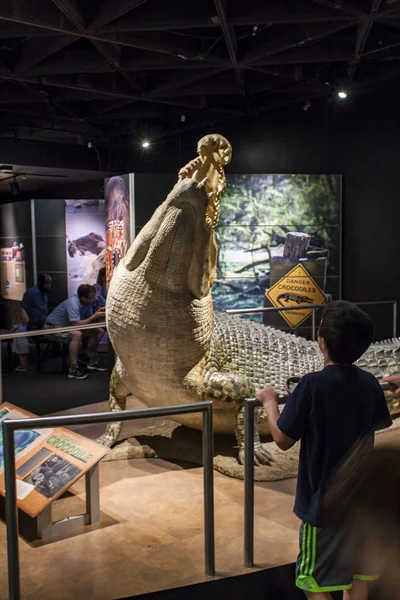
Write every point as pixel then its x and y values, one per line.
pixel 47 461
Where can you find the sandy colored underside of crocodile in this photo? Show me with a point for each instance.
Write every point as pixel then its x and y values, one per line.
pixel 171 347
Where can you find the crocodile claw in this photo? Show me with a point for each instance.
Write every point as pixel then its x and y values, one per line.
pixel 106 440
pixel 261 455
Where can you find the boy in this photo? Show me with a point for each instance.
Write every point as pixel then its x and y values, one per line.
pixel 329 411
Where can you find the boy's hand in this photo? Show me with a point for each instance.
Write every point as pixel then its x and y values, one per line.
pixel 267 395
pixel 394 380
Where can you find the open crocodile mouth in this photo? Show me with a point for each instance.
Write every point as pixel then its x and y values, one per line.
pixel 213 211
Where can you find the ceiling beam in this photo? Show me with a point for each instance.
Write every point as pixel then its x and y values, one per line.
pixel 110 52
pixel 73 11
pixel 23 11
pixel 187 15
pixel 35 50
pixel 231 43
pixel 329 50
pixel 344 6
pixel 294 37
pixel 112 89
pixel 113 10
pixel 78 61
pixel 177 80
pixel 363 32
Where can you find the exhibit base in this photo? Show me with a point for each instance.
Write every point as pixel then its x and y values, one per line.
pixel 47 529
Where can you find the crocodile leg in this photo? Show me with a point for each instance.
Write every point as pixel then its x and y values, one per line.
pixel 231 388
pixel 261 455
pixel 117 402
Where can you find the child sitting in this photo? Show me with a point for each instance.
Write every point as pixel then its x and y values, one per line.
pixel 329 411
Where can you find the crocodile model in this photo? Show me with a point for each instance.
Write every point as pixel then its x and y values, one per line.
pixel 171 347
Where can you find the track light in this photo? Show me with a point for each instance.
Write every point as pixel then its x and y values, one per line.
pixel 145 144
pixel 342 94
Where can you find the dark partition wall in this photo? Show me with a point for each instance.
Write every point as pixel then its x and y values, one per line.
pixel 150 190
pixel 50 245
pixel 16 224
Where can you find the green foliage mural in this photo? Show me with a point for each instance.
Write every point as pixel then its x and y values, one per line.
pixel 257 212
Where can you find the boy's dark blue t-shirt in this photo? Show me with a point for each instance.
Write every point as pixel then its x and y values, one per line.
pixel 329 410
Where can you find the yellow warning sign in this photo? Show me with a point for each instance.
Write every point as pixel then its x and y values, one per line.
pixel 295 289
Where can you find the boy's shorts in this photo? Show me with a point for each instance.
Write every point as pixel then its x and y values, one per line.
pixel 320 566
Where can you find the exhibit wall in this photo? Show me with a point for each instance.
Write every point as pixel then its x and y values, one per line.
pixel 50 246
pixel 119 219
pixel 16 261
pixel 85 245
pixel 257 212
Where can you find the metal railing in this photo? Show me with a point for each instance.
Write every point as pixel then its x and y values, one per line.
pixel 249 406
pixel 41 333
pixel 313 308
pixel 12 425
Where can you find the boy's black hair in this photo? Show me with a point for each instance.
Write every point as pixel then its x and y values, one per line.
pixel 347 331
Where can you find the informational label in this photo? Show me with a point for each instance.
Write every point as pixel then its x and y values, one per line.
pixel 297 288
pixel 23 489
pixel 48 461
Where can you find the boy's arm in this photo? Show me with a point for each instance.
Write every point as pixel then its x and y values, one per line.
pixel 270 399
pixel 289 426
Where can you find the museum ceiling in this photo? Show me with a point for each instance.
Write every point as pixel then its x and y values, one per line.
pixel 113 71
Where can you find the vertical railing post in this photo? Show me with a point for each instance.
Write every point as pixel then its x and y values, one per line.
pixel 395 319
pixel 249 482
pixel 208 469
pixel 11 512
pixel 314 329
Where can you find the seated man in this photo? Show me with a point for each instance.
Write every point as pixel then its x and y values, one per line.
pixel 77 310
pixel 35 302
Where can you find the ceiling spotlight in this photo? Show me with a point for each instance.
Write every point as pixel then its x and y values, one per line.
pixel 145 144
pixel 183 118
pixel 342 94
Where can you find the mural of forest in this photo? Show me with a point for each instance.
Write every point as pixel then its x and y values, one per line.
pixel 257 211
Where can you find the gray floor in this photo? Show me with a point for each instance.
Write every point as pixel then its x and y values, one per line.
pixel 51 391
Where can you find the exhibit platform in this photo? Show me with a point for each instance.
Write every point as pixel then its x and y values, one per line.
pixel 150 538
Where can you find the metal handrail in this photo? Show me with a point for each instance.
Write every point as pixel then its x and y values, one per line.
pixel 313 308
pixel 39 333
pixel 51 331
pixel 10 426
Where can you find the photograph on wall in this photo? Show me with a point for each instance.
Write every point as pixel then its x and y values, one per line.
pixel 13 271
pixel 85 241
pixel 268 225
pixel 52 475
pixel 119 217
